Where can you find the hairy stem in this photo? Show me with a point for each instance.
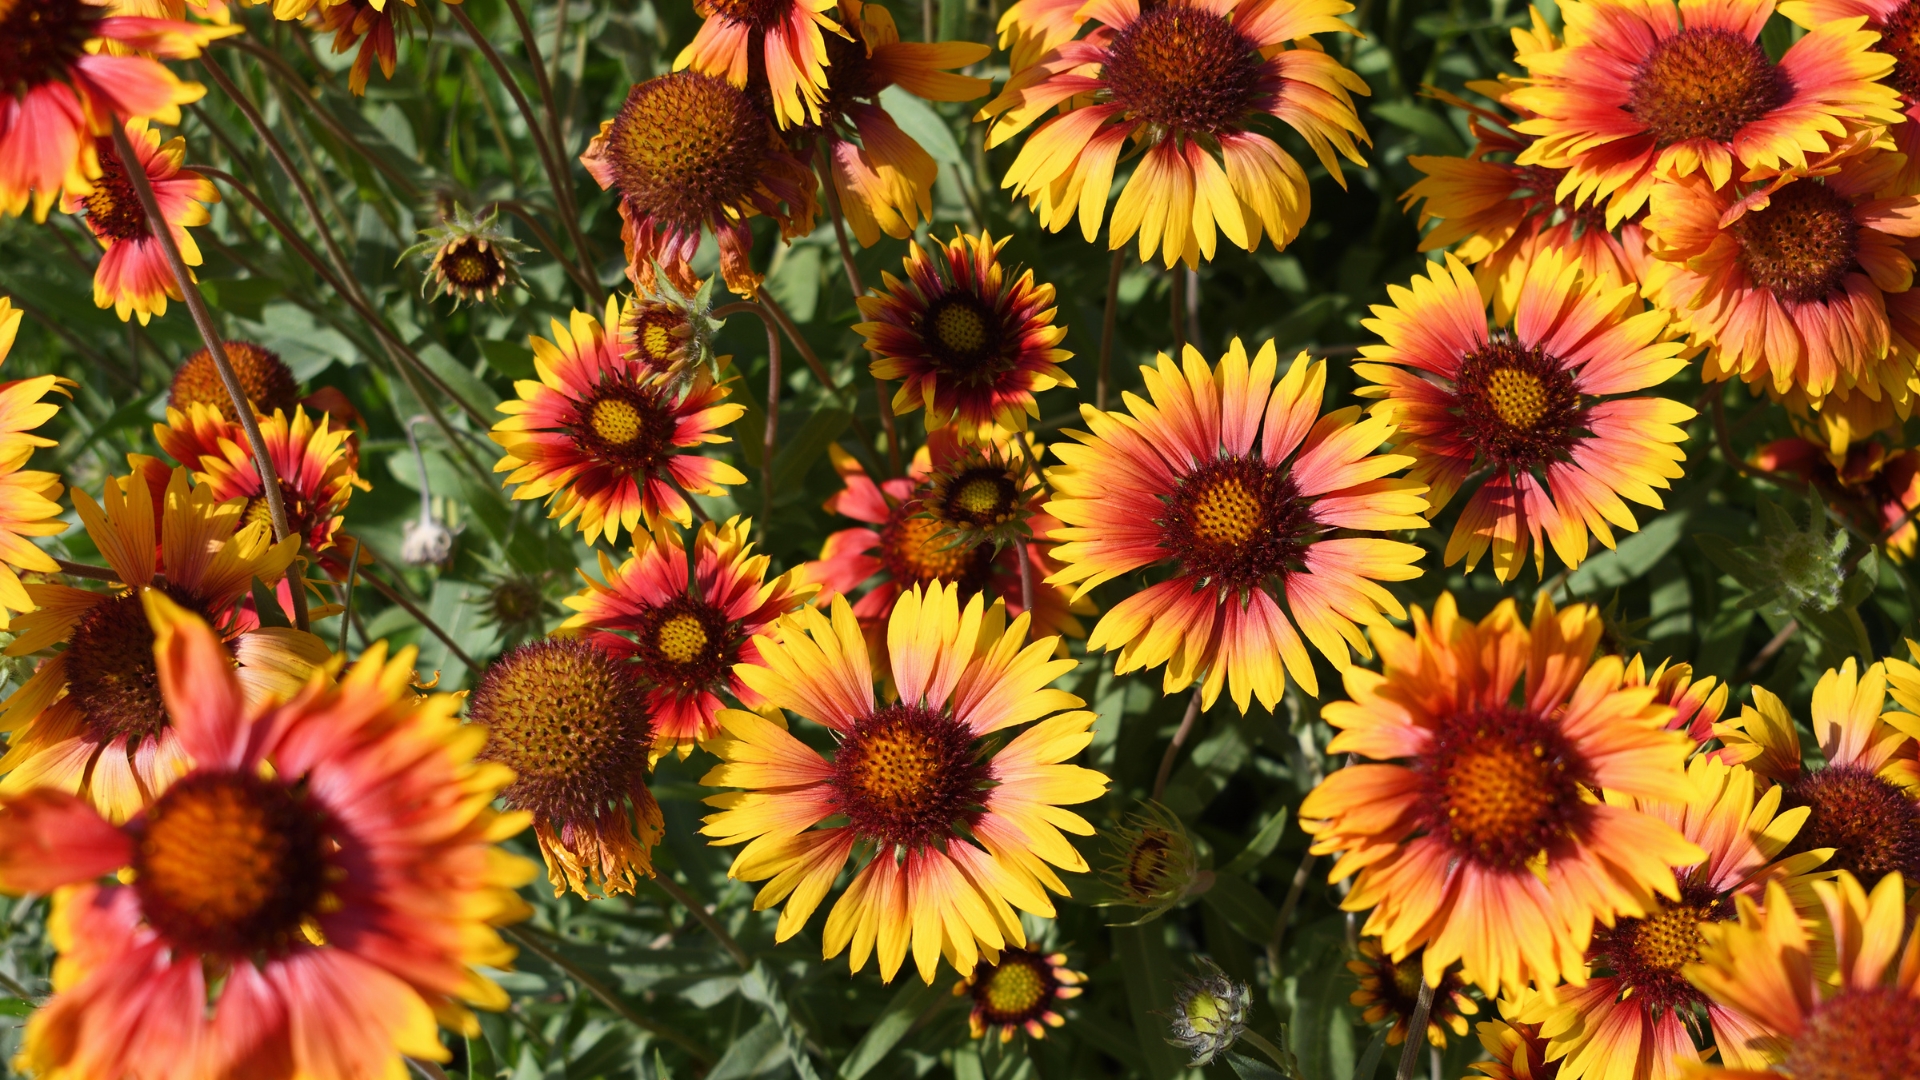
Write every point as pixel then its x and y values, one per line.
pixel 395 596
pixel 1416 1032
pixel 1103 376
pixel 1179 740
pixel 346 605
pixel 699 911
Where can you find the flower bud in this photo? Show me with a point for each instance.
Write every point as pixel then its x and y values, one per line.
pixel 1209 1014
pixel 1151 864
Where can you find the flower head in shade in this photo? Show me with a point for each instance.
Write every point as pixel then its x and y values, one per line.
pixel 133 276
pixel 687 152
pixel 1390 989
pixel 967 339
pixel 29 499
pixel 790 37
pixel 1151 863
pixel 1862 802
pixel 472 259
pixel 1537 408
pixel 1801 286
pixel 1646 89
pixel 603 440
pixel 570 719
pixel 1189 81
pixel 92 719
pixel 1638 1016
pixel 264 377
pixel 984 492
pixel 1209 1014
pixel 1235 484
pixel 685 623
pixel 373 25
pixel 670 333
pixel 1471 824
pixel 1514 1049
pixel 73 68
pixel 1876 488
pixel 310 459
pixel 1019 991
pixel 957 827
pixel 314 897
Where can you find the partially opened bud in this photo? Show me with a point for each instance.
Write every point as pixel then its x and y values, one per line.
pixel 1209 1014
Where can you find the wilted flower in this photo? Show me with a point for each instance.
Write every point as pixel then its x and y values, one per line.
pixel 1151 864
pixel 472 259
pixel 1209 1013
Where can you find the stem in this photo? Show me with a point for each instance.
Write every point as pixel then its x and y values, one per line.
pixel 346 612
pixel 1026 578
pixel 541 84
pixel 1177 314
pixel 1294 890
pixel 1416 1032
pixel 1193 308
pixel 773 427
pixel 1107 325
pixel 97 573
pixel 859 290
pixel 429 1069
pixel 216 349
pixel 420 470
pixel 1179 740
pixel 1767 651
pixel 8 984
pixel 395 596
pixel 525 939
pixel 290 78
pixel 699 911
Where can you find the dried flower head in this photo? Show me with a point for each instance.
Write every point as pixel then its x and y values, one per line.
pixel 472 259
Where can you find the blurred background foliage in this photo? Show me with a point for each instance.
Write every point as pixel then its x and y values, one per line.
pixel 649 993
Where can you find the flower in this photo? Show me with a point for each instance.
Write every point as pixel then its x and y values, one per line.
pixel 688 152
pixel 1877 489
pixel 1390 988
pixel 1210 1014
pixel 371 23
pixel 309 899
pixel 1029 29
pixel 882 176
pixel 1179 484
pixel 1183 78
pixel 133 276
pixel 964 341
pixel 1894 21
pixel 685 631
pixel 961 832
pixel 1696 703
pixel 1646 89
pixel 603 441
pixel 472 259
pixel 1470 827
pixel 793 50
pixel 1801 285
pixel 264 377
pixel 29 499
pixel 1861 803
pixel 1636 1017
pixel 1535 408
pixel 1151 864
pixel 571 720
pixel 71 72
pixel 1516 1049
pixel 984 492
pixel 1017 992
pixel 309 458
pixel 671 334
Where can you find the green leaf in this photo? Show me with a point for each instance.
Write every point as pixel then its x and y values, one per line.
pixel 1252 1069
pixel 926 127
pixel 510 358
pixel 1150 979
pixel 759 1052
pixel 1369 1062
pixel 1632 558
pixel 760 987
pixel 1252 915
pixel 1723 553
pixel 1776 520
pixel 790 465
pixel 1261 845
pixel 455 374
pixel 794 281
pixel 1436 135
pixel 913 1001
pixel 266 603
pixel 13 1006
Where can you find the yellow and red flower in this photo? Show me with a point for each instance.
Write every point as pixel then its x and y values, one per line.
pixel 1876 488
pixel 961 830
pixel 313 897
pixel 73 71
pixel 311 459
pixel 1471 825
pixel 1647 89
pixel 1246 532
pixel 1390 989
pixel 1515 1050
pixel 369 23
pixel 685 627
pixel 1030 29
pixel 91 719
pixel 29 499
pixel 686 153
pixel 1696 703
pixel 1895 21
pixel 793 51
pixel 967 343
pixel 1186 79
pixel 603 440
pixel 133 276
pixel 1019 992
pixel 1535 408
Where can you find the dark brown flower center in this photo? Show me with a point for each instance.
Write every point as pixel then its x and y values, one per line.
pixel 685 644
pixel 113 208
pixel 1872 826
pixel 1705 84
pixel 1862 1034
pixel 1236 522
pixel 758 14
pixel 906 775
pixel 231 863
pixel 625 424
pixel 1646 955
pixel 982 496
pixel 1396 986
pixel 916 552
pixel 1184 69
pixel 40 39
pixel 1516 403
pixel 1801 245
pixel 472 267
pixel 1502 784
pixel 1018 989
pixel 963 338
pixel 264 378
pixel 851 77
pixel 1900 39
pixel 686 147
pixel 111 677
pixel 655 334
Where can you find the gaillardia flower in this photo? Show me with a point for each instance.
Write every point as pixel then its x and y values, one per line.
pixel 685 626
pixel 1187 79
pixel 91 719
pixel 133 276
pixel 1877 489
pixel 1245 531
pixel 472 259
pixel 1390 989
pixel 1472 827
pixel 311 460
pixel 1895 22
pixel 1018 992
pixel 372 24
pixel 967 343
pixel 670 333
pixel 264 377
pixel 1800 286
pixel 958 830
pixel 73 69
pixel 1696 703
pixel 313 898
pixel 1646 89
pixel 793 50
pixel 570 719
pixel 29 499
pixel 1534 409
pixel 1515 1050
pixel 688 152
pixel 603 440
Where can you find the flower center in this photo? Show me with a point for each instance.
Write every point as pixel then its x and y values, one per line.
pixel 1184 69
pixel 915 553
pixel 471 266
pixel 264 377
pixel 685 644
pixel 686 147
pixel 655 337
pixel 1236 522
pixel 1516 403
pixel 1802 244
pixel 113 209
pixel 1502 784
pixel 906 774
pixel 111 677
pixel 40 39
pixel 570 720
pixel 681 639
pixel 759 14
pixel 963 339
pixel 1019 988
pixel 1149 864
pixel 231 863
pixel 616 421
pixel 1872 826
pixel 624 424
pixel 852 74
pixel 1871 1034
pixel 1705 84
pixel 1900 39
pixel 982 497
